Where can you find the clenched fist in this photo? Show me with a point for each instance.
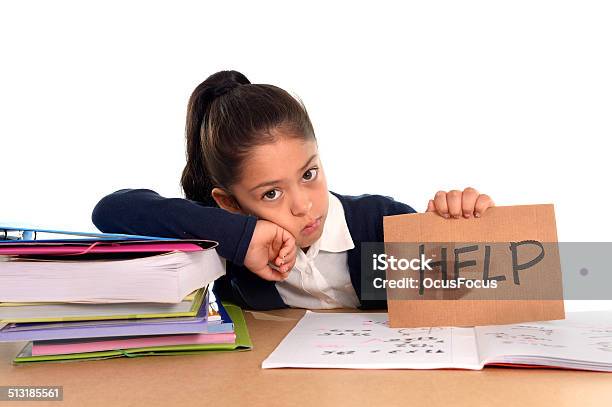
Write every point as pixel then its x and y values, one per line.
pixel 456 203
pixel 271 244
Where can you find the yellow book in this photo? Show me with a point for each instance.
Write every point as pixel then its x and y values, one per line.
pixel 59 312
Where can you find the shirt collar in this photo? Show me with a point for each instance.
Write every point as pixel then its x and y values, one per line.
pixel 336 236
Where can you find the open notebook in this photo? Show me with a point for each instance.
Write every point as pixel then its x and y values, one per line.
pixel 364 341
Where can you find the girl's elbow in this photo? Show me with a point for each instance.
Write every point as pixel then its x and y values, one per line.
pixel 104 211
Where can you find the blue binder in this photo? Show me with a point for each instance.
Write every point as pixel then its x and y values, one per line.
pixel 12 233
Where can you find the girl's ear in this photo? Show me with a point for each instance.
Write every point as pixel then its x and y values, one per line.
pixel 226 201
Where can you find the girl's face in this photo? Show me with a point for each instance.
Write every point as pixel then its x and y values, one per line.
pixel 284 183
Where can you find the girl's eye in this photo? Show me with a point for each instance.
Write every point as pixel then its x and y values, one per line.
pixel 271 195
pixel 310 174
pixel 274 194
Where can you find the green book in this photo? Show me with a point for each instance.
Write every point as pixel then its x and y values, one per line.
pixel 243 342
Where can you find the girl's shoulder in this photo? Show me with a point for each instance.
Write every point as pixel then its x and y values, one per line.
pixel 364 214
pixel 372 205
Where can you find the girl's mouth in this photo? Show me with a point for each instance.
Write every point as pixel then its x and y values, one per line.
pixel 312 227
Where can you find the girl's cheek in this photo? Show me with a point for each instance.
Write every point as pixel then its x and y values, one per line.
pixel 281 216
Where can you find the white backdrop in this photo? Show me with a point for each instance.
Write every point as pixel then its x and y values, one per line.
pixel 513 98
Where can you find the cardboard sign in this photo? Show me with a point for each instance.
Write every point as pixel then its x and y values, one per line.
pixel 514 245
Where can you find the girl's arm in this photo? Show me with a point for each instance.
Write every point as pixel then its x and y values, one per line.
pixel 145 212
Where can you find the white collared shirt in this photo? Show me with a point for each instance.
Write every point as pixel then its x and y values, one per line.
pixel 320 278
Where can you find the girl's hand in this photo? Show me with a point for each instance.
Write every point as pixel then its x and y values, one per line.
pixel 456 203
pixel 271 244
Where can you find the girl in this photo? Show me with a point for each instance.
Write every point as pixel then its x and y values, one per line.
pixel 254 182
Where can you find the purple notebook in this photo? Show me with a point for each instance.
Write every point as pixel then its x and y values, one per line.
pixel 107 328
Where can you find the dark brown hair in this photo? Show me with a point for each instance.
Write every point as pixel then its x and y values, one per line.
pixel 227 116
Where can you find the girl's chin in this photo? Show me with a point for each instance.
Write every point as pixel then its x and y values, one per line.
pixel 306 243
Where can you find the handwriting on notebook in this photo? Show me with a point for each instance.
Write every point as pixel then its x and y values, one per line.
pixel 347 342
pixel 526 335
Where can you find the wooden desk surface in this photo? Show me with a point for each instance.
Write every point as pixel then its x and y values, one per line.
pixel 237 379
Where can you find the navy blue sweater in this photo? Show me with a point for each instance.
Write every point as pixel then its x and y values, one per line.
pixel 145 212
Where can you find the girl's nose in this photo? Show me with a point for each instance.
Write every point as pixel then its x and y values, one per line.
pixel 301 205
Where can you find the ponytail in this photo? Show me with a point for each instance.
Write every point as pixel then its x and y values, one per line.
pixel 196 180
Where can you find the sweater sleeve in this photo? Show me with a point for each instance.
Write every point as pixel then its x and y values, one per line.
pixel 145 212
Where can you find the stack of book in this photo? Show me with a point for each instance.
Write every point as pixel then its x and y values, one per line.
pixel 114 295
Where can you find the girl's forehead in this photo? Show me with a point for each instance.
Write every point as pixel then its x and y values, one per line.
pixel 280 160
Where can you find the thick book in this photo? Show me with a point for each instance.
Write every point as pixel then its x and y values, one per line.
pixel 242 343
pixel 583 341
pixel 106 271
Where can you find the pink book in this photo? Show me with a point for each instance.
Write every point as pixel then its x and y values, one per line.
pixel 99 344
pixel 80 248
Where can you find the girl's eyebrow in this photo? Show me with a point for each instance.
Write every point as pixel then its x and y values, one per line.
pixel 267 183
